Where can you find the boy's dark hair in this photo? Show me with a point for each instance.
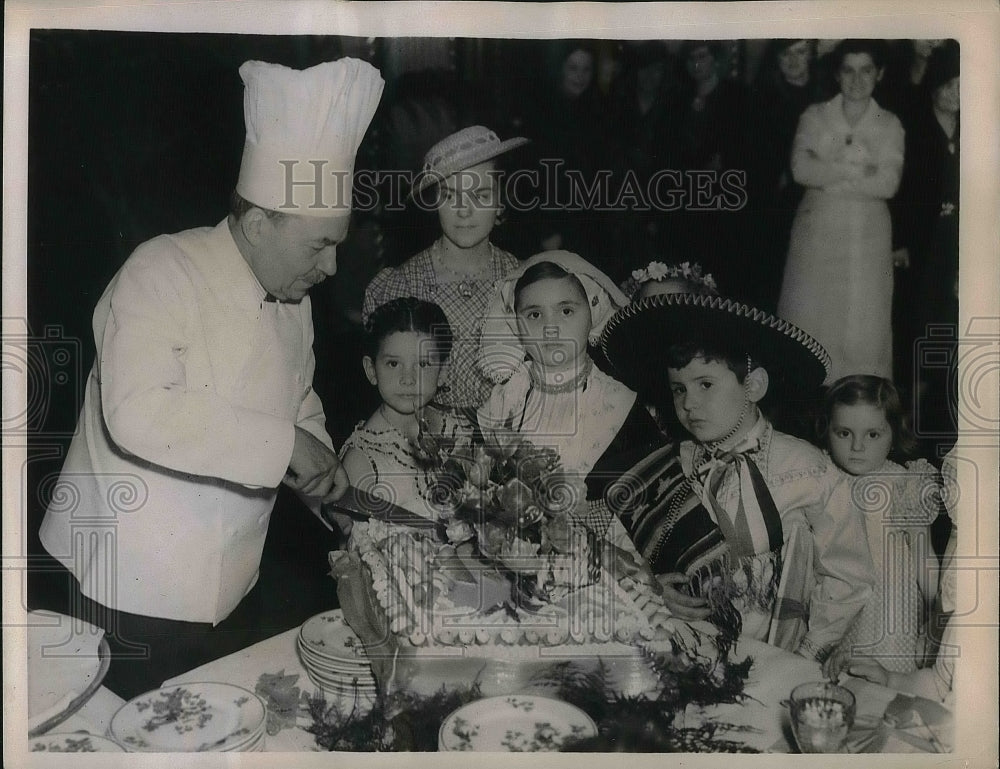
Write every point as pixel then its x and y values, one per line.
pixel 877 392
pixel 731 353
pixel 712 348
pixel 408 314
pixel 544 271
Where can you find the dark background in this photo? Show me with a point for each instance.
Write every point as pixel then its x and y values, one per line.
pixel 132 135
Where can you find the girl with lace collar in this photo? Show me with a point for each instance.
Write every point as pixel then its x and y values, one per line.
pixel 407 342
pixel 534 346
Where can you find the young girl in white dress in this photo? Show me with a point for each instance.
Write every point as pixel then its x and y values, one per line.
pixel 407 343
pixel 864 423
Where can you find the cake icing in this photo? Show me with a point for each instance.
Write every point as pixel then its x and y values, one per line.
pixel 435 601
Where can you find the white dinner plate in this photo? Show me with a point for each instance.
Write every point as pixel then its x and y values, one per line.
pixel 347 684
pixel 64 662
pixel 73 742
pixel 329 635
pixel 514 723
pixel 349 666
pixel 192 717
pixel 347 701
pixel 341 684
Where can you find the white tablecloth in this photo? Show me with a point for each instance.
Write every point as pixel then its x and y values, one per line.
pixel 773 675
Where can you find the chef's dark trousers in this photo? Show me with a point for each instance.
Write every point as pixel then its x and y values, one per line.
pixel 294 584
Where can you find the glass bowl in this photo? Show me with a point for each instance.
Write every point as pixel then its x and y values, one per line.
pixel 822 714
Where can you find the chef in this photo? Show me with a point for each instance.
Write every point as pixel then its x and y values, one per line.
pixel 200 401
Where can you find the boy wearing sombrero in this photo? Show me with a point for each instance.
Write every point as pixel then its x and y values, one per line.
pixel 744 525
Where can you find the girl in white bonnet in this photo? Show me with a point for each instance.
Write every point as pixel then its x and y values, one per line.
pixel 535 346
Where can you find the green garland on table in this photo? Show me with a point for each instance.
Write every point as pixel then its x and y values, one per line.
pixel 635 723
pixel 409 730
pixel 641 723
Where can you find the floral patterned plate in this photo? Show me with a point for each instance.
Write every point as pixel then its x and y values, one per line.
pixel 73 742
pixel 514 723
pixel 329 635
pixel 191 717
pixel 342 681
pixel 355 667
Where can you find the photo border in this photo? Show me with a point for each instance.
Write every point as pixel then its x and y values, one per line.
pixel 973 24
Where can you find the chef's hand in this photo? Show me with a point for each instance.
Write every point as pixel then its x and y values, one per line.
pixel 681 605
pixel 314 469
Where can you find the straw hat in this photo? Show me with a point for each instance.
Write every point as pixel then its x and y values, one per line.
pixel 463 149
pixel 635 336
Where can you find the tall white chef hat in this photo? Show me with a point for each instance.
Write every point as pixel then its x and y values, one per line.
pixel 303 132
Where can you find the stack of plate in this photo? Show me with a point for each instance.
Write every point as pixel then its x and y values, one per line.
pixel 335 659
pixel 196 717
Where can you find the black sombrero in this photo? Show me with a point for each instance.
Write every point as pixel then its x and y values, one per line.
pixel 636 334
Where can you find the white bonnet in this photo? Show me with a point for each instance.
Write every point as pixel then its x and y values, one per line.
pixel 500 350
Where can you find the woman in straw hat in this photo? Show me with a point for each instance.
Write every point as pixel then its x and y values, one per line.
pixel 459 180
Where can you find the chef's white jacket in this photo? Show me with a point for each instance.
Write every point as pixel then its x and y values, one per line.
pixel 187 429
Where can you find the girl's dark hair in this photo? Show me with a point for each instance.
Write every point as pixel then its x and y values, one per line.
pixel 408 314
pixel 877 49
pixel 544 271
pixel 877 392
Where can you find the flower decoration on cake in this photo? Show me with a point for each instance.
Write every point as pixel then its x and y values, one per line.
pixel 504 499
